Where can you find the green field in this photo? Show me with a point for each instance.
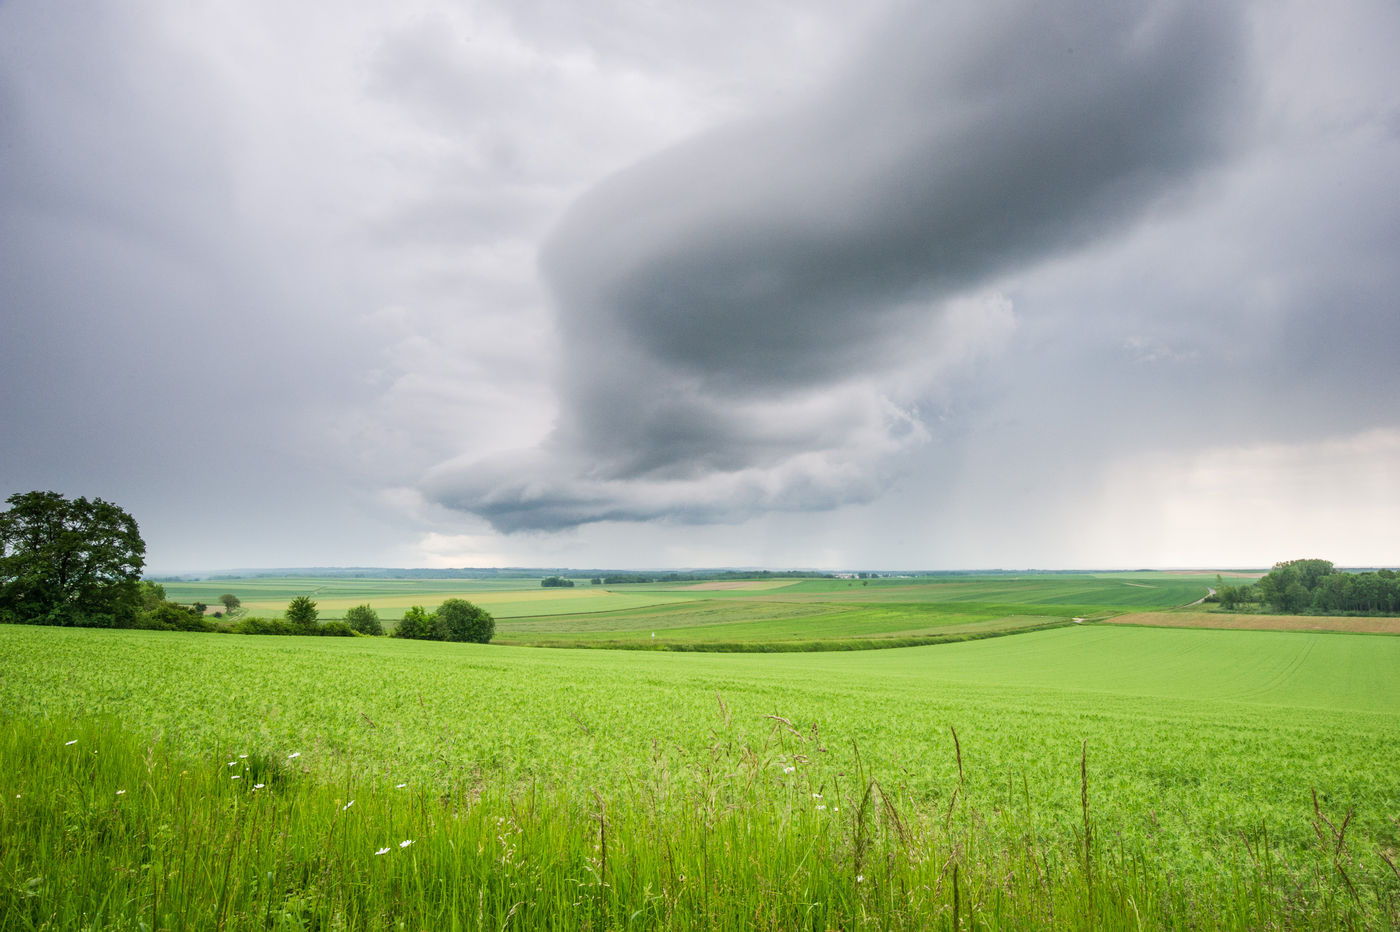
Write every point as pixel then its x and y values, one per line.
pixel 766 614
pixel 1232 779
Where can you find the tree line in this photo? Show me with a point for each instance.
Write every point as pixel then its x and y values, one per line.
pixel 1317 587
pixel 77 562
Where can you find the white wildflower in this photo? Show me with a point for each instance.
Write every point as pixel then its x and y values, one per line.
pixel 70 743
pixel 347 805
pixel 860 878
pixel 401 786
pixel 294 755
pixel 258 786
pixel 121 792
pixel 382 851
pixel 237 776
pixel 789 769
pixel 406 842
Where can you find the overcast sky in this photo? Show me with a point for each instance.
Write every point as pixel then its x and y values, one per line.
pixel 615 284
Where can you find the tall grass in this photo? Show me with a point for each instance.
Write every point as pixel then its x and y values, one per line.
pixel 100 828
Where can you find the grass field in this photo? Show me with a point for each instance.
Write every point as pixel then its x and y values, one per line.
pixel 1088 776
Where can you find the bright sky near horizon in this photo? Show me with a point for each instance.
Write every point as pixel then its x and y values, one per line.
pixel 603 284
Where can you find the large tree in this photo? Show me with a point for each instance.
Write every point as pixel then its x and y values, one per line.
pixel 364 619
pixel 460 620
pixel 69 561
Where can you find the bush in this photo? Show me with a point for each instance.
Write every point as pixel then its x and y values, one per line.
pixel 416 623
pixel 364 619
pixel 336 629
pixel 460 620
pixel 556 582
pixel 168 616
pixel 250 625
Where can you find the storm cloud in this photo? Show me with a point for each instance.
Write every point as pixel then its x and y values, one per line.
pixel 760 317
pixel 741 283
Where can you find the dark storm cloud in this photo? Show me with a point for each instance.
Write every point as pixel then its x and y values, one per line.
pixel 735 308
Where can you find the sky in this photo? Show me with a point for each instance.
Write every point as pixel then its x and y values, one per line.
pixel 608 284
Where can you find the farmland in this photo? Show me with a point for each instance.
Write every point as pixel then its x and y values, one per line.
pixel 1083 776
pixel 796 614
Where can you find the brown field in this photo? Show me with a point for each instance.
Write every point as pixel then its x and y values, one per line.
pixel 720 585
pixel 1226 575
pixel 1259 622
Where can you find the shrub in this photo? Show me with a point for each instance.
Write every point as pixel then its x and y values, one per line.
pixel 460 620
pixel 252 625
pixel 168 616
pixel 364 619
pixel 336 628
pixel 416 623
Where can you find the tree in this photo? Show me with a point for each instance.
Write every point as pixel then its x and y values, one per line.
pixel 230 601
pixel 1295 598
pixel 69 562
pixel 416 623
pixel 556 582
pixel 301 612
pixel 460 620
pixel 364 619
pixel 1231 596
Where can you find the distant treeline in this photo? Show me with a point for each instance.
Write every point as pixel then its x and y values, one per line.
pixel 369 572
pixel 618 579
pixel 1316 587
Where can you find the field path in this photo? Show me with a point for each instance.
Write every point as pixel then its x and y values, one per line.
pixel 1210 591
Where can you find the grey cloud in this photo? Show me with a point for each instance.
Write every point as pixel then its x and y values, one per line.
pixel 714 295
pixel 943 158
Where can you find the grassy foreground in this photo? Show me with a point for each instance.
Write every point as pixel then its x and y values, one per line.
pixel 1073 778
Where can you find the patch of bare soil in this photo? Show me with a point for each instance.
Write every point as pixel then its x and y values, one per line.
pixel 1259 622
pixel 731 584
